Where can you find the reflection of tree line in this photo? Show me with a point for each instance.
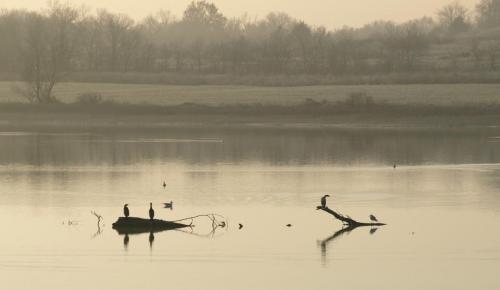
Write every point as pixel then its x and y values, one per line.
pixel 274 148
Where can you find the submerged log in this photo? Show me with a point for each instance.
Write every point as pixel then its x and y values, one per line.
pixel 351 223
pixel 135 225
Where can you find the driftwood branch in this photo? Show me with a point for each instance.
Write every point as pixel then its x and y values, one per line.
pixel 99 219
pixel 216 220
pixel 346 220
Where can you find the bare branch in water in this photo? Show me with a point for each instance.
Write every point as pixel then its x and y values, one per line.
pixel 217 221
pixel 99 219
pixel 346 220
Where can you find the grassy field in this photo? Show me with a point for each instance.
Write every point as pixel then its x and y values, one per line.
pixel 434 94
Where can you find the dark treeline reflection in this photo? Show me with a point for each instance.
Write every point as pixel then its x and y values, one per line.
pixel 269 147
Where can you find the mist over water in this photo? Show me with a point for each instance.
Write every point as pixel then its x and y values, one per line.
pixel 441 204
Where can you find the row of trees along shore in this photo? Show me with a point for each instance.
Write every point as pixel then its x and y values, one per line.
pixel 43 46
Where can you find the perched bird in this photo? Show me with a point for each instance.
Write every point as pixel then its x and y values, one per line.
pixel 240 226
pixel 169 205
pixel 164 184
pixel 126 212
pixel 323 200
pixel 151 211
pixel 373 218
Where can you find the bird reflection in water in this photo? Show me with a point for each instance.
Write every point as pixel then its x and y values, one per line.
pixel 151 239
pixel 125 241
pixel 323 244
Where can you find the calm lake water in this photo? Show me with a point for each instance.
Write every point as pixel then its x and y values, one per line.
pixel 441 203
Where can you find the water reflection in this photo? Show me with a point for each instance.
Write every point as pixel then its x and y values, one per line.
pixel 126 240
pixel 325 243
pixel 272 147
pixel 265 179
pixel 151 239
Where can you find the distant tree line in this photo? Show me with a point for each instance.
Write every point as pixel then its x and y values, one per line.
pixel 43 46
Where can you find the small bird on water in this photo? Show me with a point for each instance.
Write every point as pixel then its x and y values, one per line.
pixel 126 212
pixel 151 211
pixel 169 205
pixel 373 218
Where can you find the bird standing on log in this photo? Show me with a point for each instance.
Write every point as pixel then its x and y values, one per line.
pixel 323 200
pixel 151 211
pixel 126 212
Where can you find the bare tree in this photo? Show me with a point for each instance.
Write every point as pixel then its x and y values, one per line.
pixel 454 17
pixel 47 52
pixel 302 35
pixel 115 27
pixel 488 13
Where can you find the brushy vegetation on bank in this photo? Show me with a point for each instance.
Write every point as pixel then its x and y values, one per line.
pixel 359 103
pixel 287 80
pixel 168 95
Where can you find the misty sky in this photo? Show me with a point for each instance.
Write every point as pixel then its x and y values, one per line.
pixel 330 13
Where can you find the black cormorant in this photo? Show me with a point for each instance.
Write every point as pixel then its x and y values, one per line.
pixel 151 211
pixel 323 200
pixel 126 212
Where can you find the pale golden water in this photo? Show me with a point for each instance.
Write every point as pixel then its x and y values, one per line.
pixel 442 206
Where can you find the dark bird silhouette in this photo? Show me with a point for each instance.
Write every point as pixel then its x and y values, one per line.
pixel 164 184
pixel 169 205
pixel 240 226
pixel 126 212
pixel 323 200
pixel 151 211
pixel 373 218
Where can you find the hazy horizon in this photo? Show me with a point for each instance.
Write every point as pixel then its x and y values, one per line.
pixel 331 14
